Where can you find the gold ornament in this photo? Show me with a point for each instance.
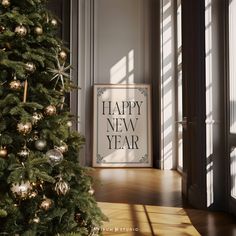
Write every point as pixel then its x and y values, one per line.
pixel 50 110
pixel 30 67
pixel 24 128
pixel 46 204
pixel 21 190
pixel 38 30
pixel 36 117
pixel 62 55
pixel 21 30
pixel 54 22
pixel 15 84
pixel 3 152
pixel 24 152
pixel 54 156
pixel 6 3
pixel 40 144
pixel 63 148
pixel 62 187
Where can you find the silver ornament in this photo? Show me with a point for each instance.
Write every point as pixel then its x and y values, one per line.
pixel 36 117
pixel 40 144
pixel 62 55
pixel 24 152
pixel 21 190
pixel 62 187
pixel 24 128
pixel 54 156
pixel 21 30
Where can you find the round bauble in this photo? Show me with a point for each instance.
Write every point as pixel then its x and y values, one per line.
pixel 24 128
pixel 46 204
pixel 24 152
pixel 15 85
pixel 91 191
pixel 69 123
pixel 21 30
pixel 2 29
pixel 6 3
pixel 54 156
pixel 62 187
pixel 63 148
pixel 54 22
pixel 50 110
pixel 21 190
pixel 62 55
pixel 30 67
pixel 36 117
pixel 3 152
pixel 40 144
pixel 38 30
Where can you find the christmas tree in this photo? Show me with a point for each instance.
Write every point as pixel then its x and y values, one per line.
pixel 43 189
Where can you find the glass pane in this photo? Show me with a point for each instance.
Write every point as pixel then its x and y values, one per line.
pixel 180 86
pixel 233 172
pixel 232 64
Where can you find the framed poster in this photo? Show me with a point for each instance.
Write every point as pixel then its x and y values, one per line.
pixel 122 126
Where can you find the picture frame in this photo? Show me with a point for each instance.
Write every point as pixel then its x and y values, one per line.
pixel 122 125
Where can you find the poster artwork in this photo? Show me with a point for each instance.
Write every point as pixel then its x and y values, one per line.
pixel 122 126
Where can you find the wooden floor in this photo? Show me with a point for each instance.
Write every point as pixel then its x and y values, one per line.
pixel 148 202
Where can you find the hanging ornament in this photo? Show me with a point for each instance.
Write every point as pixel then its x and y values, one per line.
pixel 2 28
pixel 78 218
pixel 24 152
pixel 36 117
pixel 15 84
pixel 62 187
pixel 35 220
pixel 3 152
pixel 91 191
pixel 30 67
pixel 63 147
pixel 59 72
pixel 69 123
pixel 40 144
pixel 6 3
pixel 46 204
pixel 38 30
pixel 21 30
pixel 21 190
pixel 24 128
pixel 62 55
pixel 50 110
pixel 54 22
pixel 54 156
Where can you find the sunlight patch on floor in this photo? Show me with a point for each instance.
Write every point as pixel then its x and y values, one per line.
pixel 126 219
